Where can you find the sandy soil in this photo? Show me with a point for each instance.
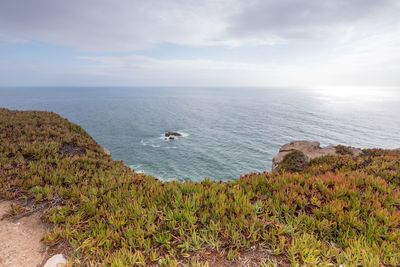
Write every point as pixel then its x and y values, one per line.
pixel 20 240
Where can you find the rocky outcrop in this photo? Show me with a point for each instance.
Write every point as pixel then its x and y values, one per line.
pixel 172 134
pixel 312 150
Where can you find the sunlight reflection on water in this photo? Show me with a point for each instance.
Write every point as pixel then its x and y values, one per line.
pixel 357 95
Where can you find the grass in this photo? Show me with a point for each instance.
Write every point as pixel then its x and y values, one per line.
pixel 336 210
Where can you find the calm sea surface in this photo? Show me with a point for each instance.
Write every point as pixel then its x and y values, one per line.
pixel 226 131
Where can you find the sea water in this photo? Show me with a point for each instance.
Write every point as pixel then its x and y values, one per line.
pixel 226 132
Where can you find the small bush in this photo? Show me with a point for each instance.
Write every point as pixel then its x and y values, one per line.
pixel 343 150
pixel 295 161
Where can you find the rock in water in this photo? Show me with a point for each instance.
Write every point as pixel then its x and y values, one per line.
pixel 311 150
pixel 57 260
pixel 173 134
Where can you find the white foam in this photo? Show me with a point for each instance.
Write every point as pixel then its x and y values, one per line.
pixel 154 145
pixel 183 134
pixel 149 143
pixel 136 168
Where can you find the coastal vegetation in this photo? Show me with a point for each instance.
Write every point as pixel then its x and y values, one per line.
pixel 333 210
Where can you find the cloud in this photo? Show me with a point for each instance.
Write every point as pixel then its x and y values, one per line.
pixel 350 67
pixel 107 25
pixel 326 20
pixel 302 42
pixel 198 72
pixel 340 69
pixel 111 25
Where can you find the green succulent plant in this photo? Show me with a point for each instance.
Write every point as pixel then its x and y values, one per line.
pixel 331 211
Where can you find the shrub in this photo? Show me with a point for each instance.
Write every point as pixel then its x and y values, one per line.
pixel 343 150
pixel 295 161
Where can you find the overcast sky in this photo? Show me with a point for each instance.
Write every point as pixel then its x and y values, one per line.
pixel 200 43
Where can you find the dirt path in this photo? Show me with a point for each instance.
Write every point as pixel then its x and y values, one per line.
pixel 20 240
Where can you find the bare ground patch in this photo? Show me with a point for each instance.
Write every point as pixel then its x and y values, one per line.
pixel 21 239
pixel 72 149
pixel 253 257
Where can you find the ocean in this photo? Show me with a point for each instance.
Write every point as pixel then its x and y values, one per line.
pixel 226 132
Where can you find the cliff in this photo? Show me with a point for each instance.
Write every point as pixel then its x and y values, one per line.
pixel 335 209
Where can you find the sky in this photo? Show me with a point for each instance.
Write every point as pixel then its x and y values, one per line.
pixel 200 43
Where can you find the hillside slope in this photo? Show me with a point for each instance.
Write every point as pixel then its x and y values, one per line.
pixel 338 210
